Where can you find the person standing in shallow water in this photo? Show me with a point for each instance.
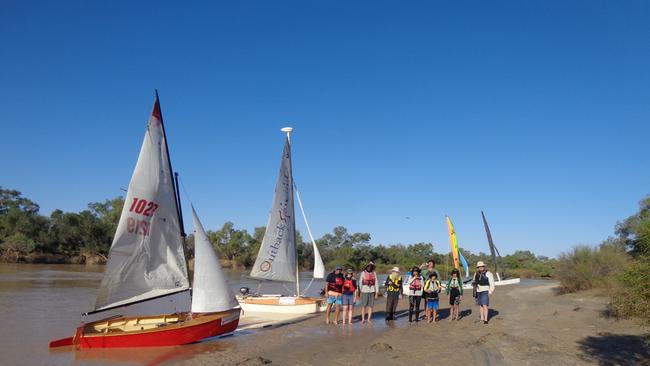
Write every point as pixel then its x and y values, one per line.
pixel 416 283
pixel 484 282
pixel 369 291
pixel 455 292
pixel 393 289
pixel 334 292
pixel 350 292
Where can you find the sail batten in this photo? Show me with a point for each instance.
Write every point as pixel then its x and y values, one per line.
pixel 276 259
pixel 146 258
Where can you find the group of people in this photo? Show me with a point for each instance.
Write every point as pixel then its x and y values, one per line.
pixel 343 290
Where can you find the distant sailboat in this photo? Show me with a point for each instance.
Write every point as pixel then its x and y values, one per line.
pixel 147 261
pixel 495 252
pixel 276 259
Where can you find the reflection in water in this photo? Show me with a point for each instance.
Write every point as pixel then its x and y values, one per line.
pixel 152 356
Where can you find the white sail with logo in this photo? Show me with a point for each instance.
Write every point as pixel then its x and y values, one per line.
pixel 210 291
pixel 276 260
pixel 146 258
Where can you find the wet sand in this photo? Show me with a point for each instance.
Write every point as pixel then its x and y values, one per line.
pixel 530 325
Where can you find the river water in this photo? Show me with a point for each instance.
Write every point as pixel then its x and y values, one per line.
pixel 41 303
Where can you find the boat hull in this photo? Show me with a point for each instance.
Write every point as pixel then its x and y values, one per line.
pixel 282 304
pixel 155 331
pixel 510 281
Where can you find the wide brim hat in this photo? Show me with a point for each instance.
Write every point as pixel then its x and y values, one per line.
pixel 480 264
pixel 395 269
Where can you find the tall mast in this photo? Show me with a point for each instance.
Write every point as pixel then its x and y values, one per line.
pixel 174 182
pixel 491 243
pixel 288 131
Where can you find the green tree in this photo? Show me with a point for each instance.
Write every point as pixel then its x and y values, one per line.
pixel 19 215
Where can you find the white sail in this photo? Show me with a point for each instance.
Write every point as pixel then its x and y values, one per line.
pixel 210 291
pixel 319 267
pixel 276 260
pixel 146 258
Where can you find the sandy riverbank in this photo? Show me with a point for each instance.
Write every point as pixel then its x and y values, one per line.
pixel 530 326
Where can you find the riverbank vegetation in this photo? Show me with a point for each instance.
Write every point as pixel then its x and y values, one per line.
pixel 85 237
pixel 620 266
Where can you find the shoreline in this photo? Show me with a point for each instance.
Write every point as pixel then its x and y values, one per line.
pixel 529 324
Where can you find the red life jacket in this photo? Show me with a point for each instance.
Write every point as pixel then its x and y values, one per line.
pixel 337 285
pixel 348 286
pixel 368 280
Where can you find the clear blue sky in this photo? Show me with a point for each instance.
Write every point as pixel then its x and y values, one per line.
pixel 537 112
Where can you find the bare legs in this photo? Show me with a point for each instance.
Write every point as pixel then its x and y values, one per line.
pixel 455 312
pixel 364 317
pixel 484 312
pixel 328 310
pixel 348 312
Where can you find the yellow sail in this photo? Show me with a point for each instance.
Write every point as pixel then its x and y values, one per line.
pixel 453 242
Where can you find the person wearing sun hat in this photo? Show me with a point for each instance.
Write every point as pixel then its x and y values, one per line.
pixel 484 283
pixel 393 288
pixel 369 289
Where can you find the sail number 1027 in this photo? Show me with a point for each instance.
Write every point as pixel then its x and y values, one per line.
pixel 142 206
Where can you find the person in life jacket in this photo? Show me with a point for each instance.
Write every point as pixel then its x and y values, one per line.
pixel 415 285
pixel 432 288
pixel 334 290
pixel 484 285
pixel 455 292
pixel 393 289
pixel 369 291
pixel 350 295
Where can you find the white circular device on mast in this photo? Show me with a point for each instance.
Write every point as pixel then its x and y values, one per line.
pixel 287 130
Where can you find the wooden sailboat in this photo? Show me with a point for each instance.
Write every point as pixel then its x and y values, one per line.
pixel 501 278
pixel 147 261
pixel 276 260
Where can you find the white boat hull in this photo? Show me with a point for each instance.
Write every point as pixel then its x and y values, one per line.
pixel 282 304
pixel 510 281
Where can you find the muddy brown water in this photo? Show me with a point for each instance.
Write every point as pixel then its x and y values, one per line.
pixel 41 303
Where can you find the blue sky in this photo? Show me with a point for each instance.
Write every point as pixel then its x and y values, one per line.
pixel 536 112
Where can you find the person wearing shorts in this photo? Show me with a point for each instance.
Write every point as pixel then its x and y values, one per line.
pixel 369 291
pixel 455 292
pixel 349 297
pixel 432 288
pixel 334 287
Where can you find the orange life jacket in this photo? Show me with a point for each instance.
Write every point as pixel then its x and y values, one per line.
pixel 348 285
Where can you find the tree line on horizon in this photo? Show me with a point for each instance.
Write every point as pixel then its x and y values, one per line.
pixel 85 237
